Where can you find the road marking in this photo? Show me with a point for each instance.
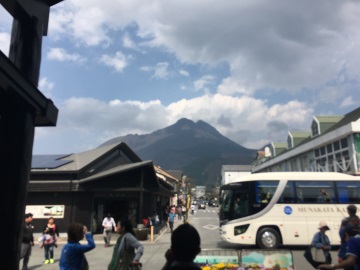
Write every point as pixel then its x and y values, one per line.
pixel 211 227
pixel 205 218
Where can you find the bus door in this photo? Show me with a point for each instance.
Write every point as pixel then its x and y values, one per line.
pixel 293 217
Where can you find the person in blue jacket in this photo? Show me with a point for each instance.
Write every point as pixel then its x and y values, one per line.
pixel 321 241
pixel 73 253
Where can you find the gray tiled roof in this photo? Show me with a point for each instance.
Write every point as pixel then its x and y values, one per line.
pixel 80 160
pixel 117 169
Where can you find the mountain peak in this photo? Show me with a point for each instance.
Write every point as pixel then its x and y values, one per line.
pixel 184 121
pixel 200 128
pixel 196 148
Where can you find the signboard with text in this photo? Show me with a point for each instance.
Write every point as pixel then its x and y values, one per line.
pixel 46 211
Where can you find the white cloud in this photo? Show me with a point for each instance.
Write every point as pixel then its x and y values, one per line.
pixel 85 122
pixel 128 42
pixel 230 86
pixel 85 22
pixel 348 101
pixel 249 120
pixel 60 54
pixel 331 95
pixel 118 61
pixel 160 70
pixel 204 83
pixel 184 73
pixel 5 19
pixel 46 86
pixel 261 47
pixel 4 43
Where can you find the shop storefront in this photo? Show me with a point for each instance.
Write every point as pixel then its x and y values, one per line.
pixel 110 179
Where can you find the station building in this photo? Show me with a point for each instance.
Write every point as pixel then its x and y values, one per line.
pixel 84 187
pixel 332 144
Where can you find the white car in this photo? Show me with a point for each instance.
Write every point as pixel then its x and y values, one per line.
pixel 201 205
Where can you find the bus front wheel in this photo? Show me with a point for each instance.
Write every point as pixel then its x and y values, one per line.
pixel 268 238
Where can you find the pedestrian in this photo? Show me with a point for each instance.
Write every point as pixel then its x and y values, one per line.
pixel 323 196
pixel 348 232
pixel 156 221
pixel 185 245
pixel 27 241
pixel 353 220
pixel 124 255
pixel 73 253
pixel 166 213
pixel 108 225
pixel 192 207
pixel 179 210
pixel 51 233
pixel 171 219
pixel 351 210
pixel 321 241
pixel 352 258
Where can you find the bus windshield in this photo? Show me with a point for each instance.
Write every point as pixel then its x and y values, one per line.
pixel 243 199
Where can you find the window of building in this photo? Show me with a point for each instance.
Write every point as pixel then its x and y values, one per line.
pixel 289 142
pixel 314 129
pixel 331 163
pixel 336 155
pixel 294 166
pixel 344 143
pixel 329 148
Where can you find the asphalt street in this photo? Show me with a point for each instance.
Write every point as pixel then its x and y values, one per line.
pixel 205 221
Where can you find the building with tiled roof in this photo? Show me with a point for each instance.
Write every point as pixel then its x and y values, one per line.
pixel 84 187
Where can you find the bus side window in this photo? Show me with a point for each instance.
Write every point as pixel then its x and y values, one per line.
pixel 349 192
pixel 315 192
pixel 300 197
pixel 354 196
pixel 288 194
pixel 325 196
pixel 343 195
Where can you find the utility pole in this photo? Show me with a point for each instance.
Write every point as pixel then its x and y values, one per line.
pixel 188 199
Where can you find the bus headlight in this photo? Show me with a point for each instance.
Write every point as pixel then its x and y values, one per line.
pixel 241 229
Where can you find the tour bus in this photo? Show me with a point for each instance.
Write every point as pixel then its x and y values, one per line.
pixel 285 208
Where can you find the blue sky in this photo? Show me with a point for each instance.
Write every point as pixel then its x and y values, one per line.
pixel 253 69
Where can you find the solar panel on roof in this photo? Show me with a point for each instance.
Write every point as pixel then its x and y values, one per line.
pixel 48 161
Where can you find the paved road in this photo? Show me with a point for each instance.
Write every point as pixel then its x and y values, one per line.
pixel 205 221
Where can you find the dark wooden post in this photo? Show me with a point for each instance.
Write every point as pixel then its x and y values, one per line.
pixel 16 137
pixel 25 47
pixel 141 197
pixel 22 107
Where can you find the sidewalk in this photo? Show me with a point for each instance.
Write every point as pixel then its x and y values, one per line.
pixel 99 258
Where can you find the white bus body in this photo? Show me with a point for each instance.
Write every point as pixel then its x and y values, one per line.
pixel 286 207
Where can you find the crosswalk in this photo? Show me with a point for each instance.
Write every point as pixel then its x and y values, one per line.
pixel 205 211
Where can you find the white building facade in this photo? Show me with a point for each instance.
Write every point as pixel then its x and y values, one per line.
pixel 332 145
pixel 200 191
pixel 231 173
